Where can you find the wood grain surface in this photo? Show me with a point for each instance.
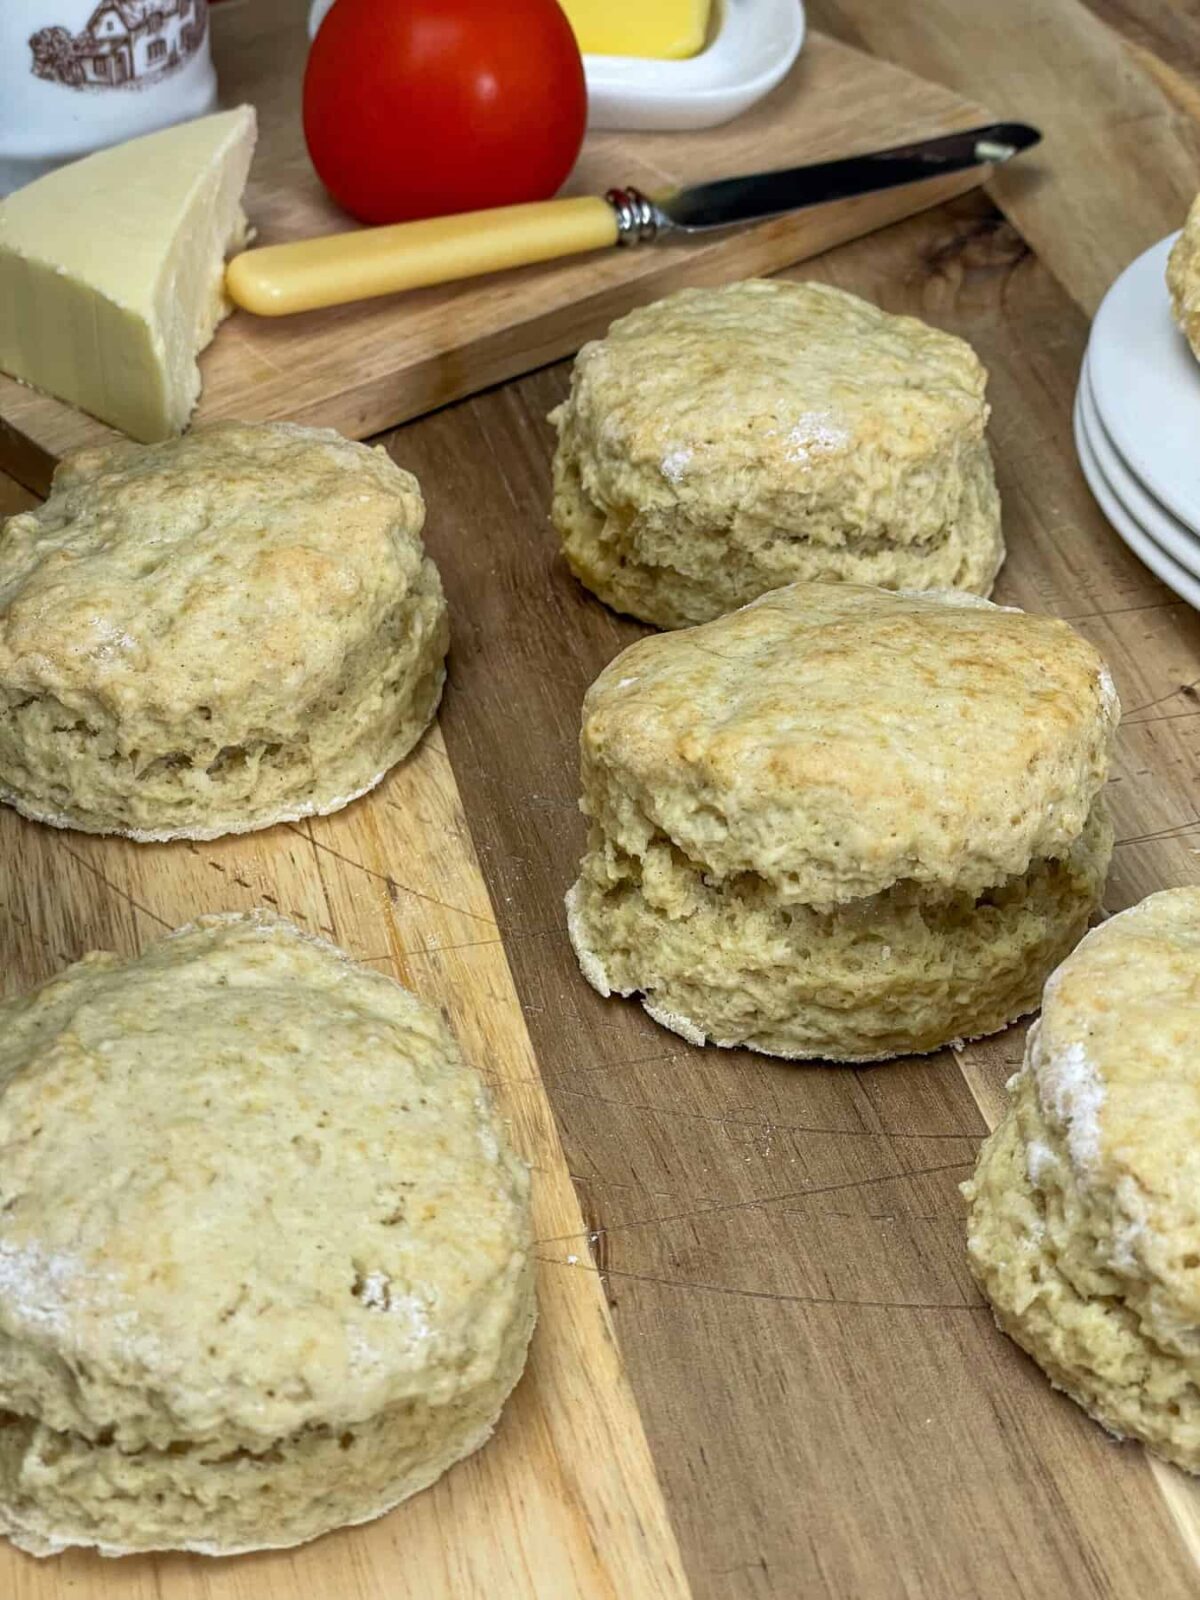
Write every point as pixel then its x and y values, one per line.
pixel 361 368
pixel 829 1408
pixel 1119 111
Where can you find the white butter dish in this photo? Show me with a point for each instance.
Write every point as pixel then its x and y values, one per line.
pixel 752 45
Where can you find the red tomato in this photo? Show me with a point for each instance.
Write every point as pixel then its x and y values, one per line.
pixel 415 108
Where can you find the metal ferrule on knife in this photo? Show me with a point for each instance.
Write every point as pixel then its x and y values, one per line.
pixel 728 202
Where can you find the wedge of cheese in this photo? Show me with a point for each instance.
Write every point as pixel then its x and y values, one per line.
pixel 112 271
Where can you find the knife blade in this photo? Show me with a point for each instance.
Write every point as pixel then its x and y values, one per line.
pixel 761 195
pixel 333 269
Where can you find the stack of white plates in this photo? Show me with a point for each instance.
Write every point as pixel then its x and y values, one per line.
pixel 1137 424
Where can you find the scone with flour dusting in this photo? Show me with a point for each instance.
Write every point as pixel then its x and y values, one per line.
pixel 1084 1226
pixel 232 629
pixel 1183 278
pixel 722 442
pixel 264 1248
pixel 843 822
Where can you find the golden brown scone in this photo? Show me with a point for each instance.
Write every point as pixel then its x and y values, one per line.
pixel 722 442
pixel 1183 278
pixel 843 822
pixel 1084 1228
pixel 264 1249
pixel 232 629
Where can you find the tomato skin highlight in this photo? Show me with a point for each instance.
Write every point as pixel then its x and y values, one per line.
pixel 419 108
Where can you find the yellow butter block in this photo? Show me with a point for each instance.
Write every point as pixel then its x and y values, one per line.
pixel 661 29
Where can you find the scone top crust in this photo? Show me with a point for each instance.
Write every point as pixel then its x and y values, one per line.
pixel 1116 1066
pixel 710 393
pixel 247 1187
pixel 231 570
pixel 1183 277
pixel 836 739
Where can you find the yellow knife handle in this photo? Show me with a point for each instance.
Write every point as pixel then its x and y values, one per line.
pixel 280 278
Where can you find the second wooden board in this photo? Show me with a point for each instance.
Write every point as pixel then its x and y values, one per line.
pixel 563 1501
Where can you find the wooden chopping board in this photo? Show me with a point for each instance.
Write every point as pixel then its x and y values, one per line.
pixel 564 1500
pixel 366 367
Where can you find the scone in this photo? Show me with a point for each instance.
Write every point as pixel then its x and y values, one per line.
pixel 843 822
pixel 264 1249
pixel 1183 278
pixel 722 442
pixel 1084 1227
pixel 236 628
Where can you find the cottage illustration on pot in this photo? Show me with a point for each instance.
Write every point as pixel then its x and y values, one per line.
pixel 125 45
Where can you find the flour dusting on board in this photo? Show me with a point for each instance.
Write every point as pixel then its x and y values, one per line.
pixel 1108 693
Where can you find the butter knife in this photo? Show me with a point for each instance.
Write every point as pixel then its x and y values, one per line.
pixel 277 279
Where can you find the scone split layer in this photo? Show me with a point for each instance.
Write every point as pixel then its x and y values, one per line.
pixel 897 973
pixel 233 629
pixel 843 822
pixel 264 1257
pixel 722 442
pixel 1084 1210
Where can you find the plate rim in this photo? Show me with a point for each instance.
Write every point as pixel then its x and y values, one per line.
pixel 1184 505
pixel 1173 537
pixel 1154 558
